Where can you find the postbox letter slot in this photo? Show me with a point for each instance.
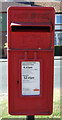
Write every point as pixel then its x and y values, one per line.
pixel 30 27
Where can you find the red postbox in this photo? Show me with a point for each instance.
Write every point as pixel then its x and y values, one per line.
pixel 30 60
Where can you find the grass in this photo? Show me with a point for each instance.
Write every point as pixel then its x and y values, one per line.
pixel 56 107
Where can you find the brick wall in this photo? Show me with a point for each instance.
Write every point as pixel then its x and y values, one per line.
pixel 57 5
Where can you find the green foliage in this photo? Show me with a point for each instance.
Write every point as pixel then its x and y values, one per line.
pixel 5 45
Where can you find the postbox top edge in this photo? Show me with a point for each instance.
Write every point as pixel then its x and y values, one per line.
pixel 29 7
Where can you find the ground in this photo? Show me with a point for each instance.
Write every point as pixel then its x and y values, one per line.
pixel 56 106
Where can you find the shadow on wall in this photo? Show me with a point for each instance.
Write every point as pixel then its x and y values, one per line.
pixel 58 50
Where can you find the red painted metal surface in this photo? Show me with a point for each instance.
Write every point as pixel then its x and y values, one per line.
pixel 30 39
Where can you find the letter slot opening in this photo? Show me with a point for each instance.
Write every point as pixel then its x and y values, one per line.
pixel 27 28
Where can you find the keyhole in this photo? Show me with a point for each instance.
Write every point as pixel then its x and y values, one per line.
pixel 17 81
